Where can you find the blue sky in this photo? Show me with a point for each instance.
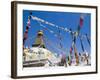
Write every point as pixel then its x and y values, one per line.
pixel 63 19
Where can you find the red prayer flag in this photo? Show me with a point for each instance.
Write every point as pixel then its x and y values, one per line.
pixel 71 50
pixel 81 21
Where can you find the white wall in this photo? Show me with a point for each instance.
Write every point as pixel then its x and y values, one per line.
pixel 5 40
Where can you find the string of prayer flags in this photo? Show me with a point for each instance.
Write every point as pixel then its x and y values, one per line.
pixel 26 31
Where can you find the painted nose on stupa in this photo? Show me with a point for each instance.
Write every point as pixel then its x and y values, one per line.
pixel 39 40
